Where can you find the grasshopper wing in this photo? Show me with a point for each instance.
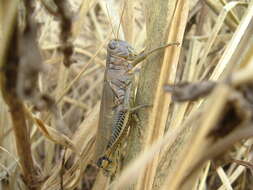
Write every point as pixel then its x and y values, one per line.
pixel 105 120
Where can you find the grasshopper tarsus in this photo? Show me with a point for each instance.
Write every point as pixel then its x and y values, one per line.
pixel 101 160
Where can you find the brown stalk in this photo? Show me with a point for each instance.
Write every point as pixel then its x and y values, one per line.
pixel 9 64
pixel 65 25
pixel 213 108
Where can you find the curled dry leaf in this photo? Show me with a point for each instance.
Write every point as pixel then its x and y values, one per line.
pixel 233 125
pixel 55 135
pixel 190 91
pixel 52 134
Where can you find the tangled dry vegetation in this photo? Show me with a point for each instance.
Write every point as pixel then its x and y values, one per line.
pixel 197 133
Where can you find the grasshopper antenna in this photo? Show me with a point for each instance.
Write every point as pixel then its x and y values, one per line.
pixel 121 17
pixel 110 21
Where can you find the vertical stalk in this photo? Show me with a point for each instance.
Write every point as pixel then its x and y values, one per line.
pixel 158 17
pixel 9 62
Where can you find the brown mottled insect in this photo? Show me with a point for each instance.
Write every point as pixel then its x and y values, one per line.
pixel 117 99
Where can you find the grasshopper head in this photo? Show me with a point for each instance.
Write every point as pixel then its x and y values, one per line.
pixel 121 49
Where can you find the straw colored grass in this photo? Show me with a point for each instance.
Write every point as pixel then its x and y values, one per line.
pixel 172 146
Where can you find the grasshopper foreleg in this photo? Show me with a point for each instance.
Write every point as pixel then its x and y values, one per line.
pixel 138 58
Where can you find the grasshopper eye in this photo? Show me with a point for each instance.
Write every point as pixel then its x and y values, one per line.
pixel 112 45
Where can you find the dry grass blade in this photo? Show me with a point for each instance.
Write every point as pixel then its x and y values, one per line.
pixel 87 129
pixel 84 8
pixel 216 6
pixel 55 135
pixel 215 104
pixel 83 141
pixel 102 182
pixel 178 143
pixel 12 156
pixel 128 20
pixel 136 167
pixel 237 172
pixel 226 62
pixel 222 92
pixel 224 178
pixel 216 29
pixel 68 87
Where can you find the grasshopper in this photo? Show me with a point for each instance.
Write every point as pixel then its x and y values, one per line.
pixel 117 99
pixel 117 103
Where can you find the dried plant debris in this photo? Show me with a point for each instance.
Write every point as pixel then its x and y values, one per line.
pixel 19 82
pixel 35 75
pixel 9 85
pixel 186 91
pixel 59 9
pixel 30 64
pixel 235 121
pixel 238 109
pixel 247 164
